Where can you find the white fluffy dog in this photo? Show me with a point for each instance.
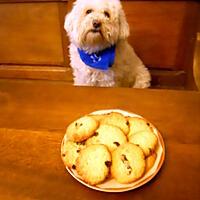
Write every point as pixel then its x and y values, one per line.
pixel 99 52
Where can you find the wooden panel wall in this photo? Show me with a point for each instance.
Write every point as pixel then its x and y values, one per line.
pixel 34 43
pixel 30 34
pixel 161 32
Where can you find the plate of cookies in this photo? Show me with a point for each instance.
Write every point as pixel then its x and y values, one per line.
pixel 112 150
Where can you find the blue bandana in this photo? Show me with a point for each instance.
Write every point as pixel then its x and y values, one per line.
pixel 101 60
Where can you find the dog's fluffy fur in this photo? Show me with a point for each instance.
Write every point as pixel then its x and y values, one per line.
pixel 127 70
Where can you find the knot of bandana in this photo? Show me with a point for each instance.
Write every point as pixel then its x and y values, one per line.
pixel 102 60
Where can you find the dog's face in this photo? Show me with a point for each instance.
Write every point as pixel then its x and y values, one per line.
pixel 94 25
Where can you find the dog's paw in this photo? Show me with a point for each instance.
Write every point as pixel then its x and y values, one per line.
pixel 142 84
pixel 143 78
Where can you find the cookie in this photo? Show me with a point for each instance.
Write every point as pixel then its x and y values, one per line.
pixel 93 164
pixel 147 140
pixel 81 129
pixel 116 119
pixel 97 117
pixel 108 135
pixel 150 160
pixel 70 152
pixel 128 163
pixel 137 124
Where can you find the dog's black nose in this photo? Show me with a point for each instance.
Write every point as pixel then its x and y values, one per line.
pixel 96 24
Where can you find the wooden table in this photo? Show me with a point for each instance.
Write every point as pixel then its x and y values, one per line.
pixel 33 118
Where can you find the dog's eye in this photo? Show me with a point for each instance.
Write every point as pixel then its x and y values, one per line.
pixel 88 11
pixel 106 13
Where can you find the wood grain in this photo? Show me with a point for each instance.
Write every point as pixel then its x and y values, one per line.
pixel 167 79
pixel 197 62
pixel 56 102
pixel 33 119
pixel 162 32
pixel 36 72
pixel 30 34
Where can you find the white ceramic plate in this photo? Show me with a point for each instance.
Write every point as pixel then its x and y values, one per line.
pixel 112 185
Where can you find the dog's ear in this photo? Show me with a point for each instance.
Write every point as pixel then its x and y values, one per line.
pixel 68 26
pixel 124 27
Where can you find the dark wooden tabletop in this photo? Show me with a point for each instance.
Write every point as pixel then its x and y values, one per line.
pixel 33 119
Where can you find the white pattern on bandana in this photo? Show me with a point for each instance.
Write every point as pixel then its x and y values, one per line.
pixel 95 58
